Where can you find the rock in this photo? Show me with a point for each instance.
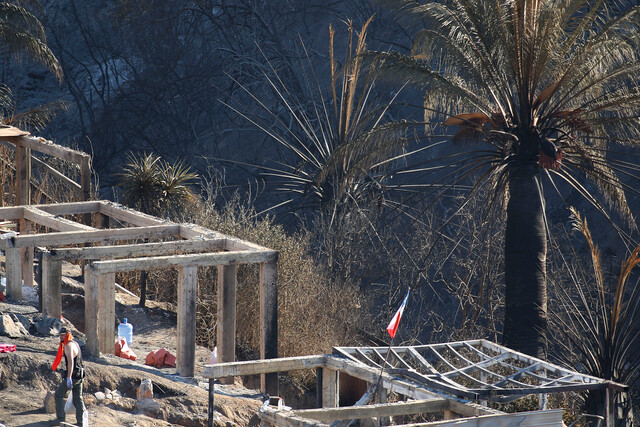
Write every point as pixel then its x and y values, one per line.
pixel 24 320
pixel 49 403
pixel 48 326
pixel 107 391
pixel 9 328
pixel 100 396
pixel 145 391
pixel 149 407
pixel 24 330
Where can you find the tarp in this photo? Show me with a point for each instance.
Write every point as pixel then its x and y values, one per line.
pixel 7 348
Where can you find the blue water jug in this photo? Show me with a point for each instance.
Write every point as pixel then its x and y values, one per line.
pixel 126 330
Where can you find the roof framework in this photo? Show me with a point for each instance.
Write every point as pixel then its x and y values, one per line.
pixel 474 370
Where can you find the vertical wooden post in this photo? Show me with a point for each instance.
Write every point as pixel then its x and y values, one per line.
pixel 330 387
pixel 187 292
pixel 211 402
pixel 610 418
pixel 85 185
pixel 51 286
pixel 269 323
pixel 37 276
pixel 381 397
pixel 319 386
pixel 106 312
pixel 14 273
pixel 23 174
pixel 26 254
pixel 91 311
pixel 226 334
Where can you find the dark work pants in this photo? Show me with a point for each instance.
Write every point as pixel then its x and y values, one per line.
pixel 78 402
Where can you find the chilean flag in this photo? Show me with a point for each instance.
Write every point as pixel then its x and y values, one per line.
pixel 395 321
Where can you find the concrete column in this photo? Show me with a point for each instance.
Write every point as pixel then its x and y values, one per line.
pixel 51 286
pixel 269 323
pixel 226 333
pixel 26 254
pixel 187 293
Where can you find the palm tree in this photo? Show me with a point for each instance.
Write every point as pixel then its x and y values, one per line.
pixel 22 33
pixel 545 86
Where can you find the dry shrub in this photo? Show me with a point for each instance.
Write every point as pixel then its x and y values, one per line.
pixel 313 316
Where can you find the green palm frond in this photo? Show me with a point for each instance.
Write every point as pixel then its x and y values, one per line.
pixel 22 33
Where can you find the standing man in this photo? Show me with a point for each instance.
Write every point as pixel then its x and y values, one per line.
pixel 72 376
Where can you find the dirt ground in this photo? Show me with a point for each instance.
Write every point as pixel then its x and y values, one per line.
pixel 26 376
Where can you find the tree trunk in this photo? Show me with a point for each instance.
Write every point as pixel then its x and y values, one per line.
pixel 525 320
pixel 143 288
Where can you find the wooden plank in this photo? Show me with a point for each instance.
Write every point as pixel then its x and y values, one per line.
pixel 103 236
pixel 23 175
pixel 85 178
pixel 378 410
pixel 141 249
pixel 272 417
pixel 128 215
pixel 47 147
pixel 49 220
pixel 11 131
pixel 70 208
pixel 26 254
pixel 51 286
pixel 226 316
pixel 193 260
pixel 255 367
pixel 193 231
pixel 330 387
pixel 91 311
pixel 13 269
pixel 187 293
pixel 106 312
pixel 269 322
pixel 522 419
pixel 12 213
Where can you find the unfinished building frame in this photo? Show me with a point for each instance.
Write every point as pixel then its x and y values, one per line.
pixel 182 246
pixel 456 379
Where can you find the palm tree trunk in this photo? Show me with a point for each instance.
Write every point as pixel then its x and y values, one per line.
pixel 525 320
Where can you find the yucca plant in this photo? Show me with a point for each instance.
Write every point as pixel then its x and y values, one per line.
pixel 544 87
pixel 156 187
pixel 599 324
pixel 337 142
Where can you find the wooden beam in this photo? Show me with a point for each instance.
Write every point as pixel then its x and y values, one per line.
pixel 91 312
pixel 12 213
pixel 226 316
pixel 128 215
pixel 269 322
pixel 85 178
pixel 378 410
pixel 49 220
pixel 187 293
pixel 23 174
pixel 47 147
pixel 141 249
pixel 255 367
pixel 330 387
pixel 193 231
pixel 70 208
pixel 78 237
pixel 106 312
pixel 272 417
pixel 523 419
pixel 51 286
pixel 188 260
pixel 26 254
pixel 13 269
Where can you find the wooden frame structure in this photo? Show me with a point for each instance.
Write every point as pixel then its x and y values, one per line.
pixel 447 378
pixel 182 246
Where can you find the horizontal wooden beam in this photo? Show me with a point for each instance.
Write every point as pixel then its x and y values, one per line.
pixel 268 366
pixel 78 237
pixel 329 415
pixel 131 216
pixel 12 212
pixel 70 208
pixel 193 231
pixel 190 260
pixel 534 418
pixel 272 416
pixel 142 249
pixel 57 223
pixel 43 146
